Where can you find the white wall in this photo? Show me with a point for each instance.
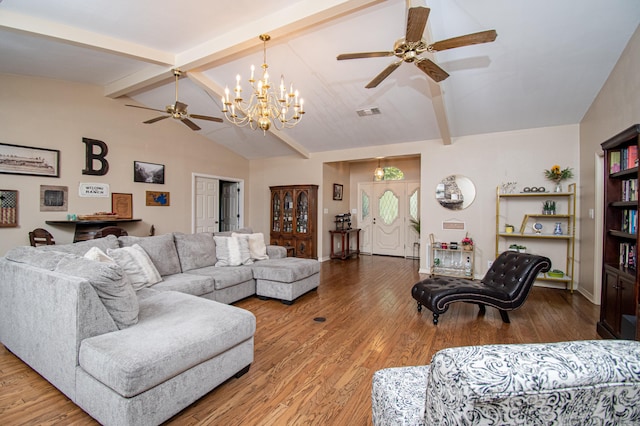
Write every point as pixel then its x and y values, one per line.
pixel 488 160
pixel 57 115
pixel 616 108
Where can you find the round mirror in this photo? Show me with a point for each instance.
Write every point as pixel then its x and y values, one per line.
pixel 455 192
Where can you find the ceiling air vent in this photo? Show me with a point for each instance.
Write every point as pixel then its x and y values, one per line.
pixel 368 111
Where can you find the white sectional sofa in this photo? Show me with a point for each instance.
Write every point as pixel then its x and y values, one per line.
pixel 129 352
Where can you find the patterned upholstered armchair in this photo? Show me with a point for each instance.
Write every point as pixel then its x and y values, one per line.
pixel 567 383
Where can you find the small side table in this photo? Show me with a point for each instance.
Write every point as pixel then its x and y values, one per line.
pixel 345 246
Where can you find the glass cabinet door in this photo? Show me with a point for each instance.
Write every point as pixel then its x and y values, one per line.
pixel 302 213
pixel 288 212
pixel 277 212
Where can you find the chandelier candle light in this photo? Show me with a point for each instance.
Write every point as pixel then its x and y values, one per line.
pixel 265 106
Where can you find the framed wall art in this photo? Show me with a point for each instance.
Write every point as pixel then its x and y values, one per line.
pixel 157 198
pixel 122 205
pixel 25 160
pixel 148 172
pixel 54 198
pixel 337 191
pixel 8 208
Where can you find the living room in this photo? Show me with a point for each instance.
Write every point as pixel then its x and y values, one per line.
pixel 57 114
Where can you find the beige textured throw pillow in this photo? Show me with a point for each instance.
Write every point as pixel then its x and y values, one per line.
pixel 257 247
pixel 232 251
pixel 135 262
pixel 98 255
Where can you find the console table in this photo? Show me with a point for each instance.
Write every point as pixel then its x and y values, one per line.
pixel 86 229
pixel 345 246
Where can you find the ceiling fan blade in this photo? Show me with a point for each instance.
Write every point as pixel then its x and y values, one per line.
pixel 180 108
pixel 436 73
pixel 153 120
pixel 465 40
pixel 205 117
pixel 151 109
pixel 384 74
pixel 190 124
pixel 416 21
pixel 363 55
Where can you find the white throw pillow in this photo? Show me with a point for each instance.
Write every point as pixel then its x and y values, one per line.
pixel 135 262
pixel 232 251
pixel 98 255
pixel 257 247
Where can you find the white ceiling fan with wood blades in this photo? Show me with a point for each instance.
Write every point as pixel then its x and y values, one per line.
pixel 412 45
pixel 178 110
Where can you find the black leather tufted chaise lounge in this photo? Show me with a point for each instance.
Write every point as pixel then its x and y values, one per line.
pixel 505 286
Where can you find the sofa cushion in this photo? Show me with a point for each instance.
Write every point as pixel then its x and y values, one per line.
pixel 257 247
pixel 225 277
pixel 175 332
pixel 276 252
pixel 195 250
pixel 111 284
pixel 232 251
pixel 81 247
pixel 135 262
pixel 197 285
pixel 160 248
pixel 108 279
pixel 33 256
pixel 286 270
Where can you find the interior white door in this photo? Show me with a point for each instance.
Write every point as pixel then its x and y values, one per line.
pixel 365 216
pixel 389 208
pixel 206 204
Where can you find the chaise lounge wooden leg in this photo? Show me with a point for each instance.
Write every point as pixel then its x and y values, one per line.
pixel 482 309
pixel 505 316
pixel 435 318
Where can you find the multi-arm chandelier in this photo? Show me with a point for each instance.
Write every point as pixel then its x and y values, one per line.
pixel 265 106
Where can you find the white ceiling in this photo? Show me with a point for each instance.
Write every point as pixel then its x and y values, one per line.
pixel 547 65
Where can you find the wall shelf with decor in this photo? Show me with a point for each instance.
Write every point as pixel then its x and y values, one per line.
pixel 620 280
pixel 294 218
pixel 545 227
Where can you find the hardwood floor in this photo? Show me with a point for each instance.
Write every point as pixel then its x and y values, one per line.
pixel 319 373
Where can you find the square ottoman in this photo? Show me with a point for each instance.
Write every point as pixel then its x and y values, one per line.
pixel 285 279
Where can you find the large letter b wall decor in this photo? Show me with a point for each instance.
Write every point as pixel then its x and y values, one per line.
pixel 92 157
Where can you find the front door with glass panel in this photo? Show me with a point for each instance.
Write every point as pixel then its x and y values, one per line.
pixel 388 230
pixel 384 213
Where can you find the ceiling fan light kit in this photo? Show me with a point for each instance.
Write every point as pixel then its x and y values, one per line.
pixel 409 48
pixel 178 110
pixel 266 106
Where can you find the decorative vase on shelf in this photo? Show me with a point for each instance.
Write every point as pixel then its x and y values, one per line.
pixel 558 187
pixel 558 229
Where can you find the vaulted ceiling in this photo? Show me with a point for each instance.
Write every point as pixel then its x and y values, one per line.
pixel 545 68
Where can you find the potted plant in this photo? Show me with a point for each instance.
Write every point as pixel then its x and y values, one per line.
pixel 557 175
pixel 549 207
pixel 467 243
pixel 415 224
